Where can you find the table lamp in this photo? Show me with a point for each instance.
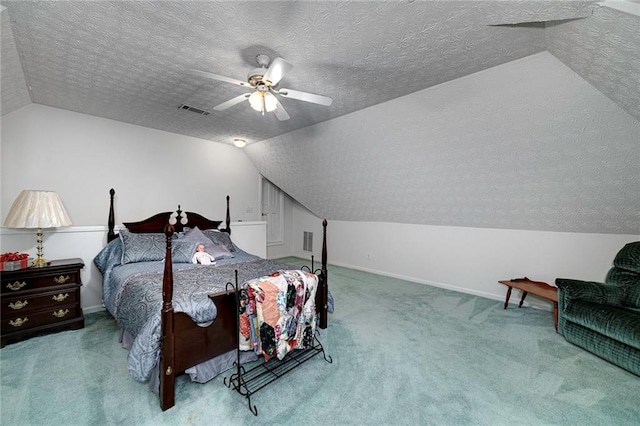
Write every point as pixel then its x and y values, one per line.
pixel 37 210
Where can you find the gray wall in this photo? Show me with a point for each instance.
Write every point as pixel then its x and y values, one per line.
pixel 525 145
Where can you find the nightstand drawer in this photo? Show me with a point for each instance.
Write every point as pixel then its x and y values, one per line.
pixel 27 283
pixel 45 317
pixel 23 305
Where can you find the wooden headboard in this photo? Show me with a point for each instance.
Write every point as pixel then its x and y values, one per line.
pixel 158 222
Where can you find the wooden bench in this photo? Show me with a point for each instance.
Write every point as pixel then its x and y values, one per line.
pixel 537 288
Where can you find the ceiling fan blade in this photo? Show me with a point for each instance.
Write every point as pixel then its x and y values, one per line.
pixel 281 113
pixel 278 68
pixel 304 96
pixel 232 102
pixel 213 76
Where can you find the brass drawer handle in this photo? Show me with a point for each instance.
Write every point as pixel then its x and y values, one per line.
pixel 61 279
pixel 19 322
pixel 19 304
pixel 60 313
pixel 60 297
pixel 17 285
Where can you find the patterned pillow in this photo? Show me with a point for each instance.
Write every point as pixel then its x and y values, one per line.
pixel 220 238
pixel 142 247
pixel 195 235
pixel 182 251
pixel 152 247
pixel 220 252
pixel 109 256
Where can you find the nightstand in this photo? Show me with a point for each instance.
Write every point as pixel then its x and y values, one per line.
pixel 35 300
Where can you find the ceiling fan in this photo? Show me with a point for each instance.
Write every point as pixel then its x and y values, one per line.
pixel 263 82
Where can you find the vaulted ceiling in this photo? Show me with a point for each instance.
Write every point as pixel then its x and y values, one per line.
pixel 133 61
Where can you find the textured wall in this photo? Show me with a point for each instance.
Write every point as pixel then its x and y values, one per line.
pixel 525 145
pixel 605 51
pixel 14 88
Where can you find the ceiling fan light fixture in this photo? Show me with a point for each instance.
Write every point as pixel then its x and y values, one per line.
pixel 255 100
pixel 264 81
pixel 263 101
pixel 240 143
pixel 270 102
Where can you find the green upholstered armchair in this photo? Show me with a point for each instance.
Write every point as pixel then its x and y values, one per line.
pixel 604 318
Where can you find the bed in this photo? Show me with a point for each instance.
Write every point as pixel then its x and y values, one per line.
pixel 164 307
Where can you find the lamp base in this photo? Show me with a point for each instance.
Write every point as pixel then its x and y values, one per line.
pixel 40 262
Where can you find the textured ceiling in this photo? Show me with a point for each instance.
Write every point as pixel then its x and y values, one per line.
pixel 554 150
pixel 131 60
pixel 14 88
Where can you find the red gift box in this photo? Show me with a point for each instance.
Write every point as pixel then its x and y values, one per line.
pixel 13 261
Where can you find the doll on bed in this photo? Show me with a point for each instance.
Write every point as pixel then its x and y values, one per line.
pixel 202 257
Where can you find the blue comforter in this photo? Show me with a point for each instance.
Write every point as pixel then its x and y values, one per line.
pixel 132 293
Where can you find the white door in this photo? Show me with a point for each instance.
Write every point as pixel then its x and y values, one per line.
pixel 273 212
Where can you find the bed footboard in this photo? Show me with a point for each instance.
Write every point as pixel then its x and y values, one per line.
pixel 194 344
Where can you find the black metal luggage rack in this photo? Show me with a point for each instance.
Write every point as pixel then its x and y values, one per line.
pixel 248 382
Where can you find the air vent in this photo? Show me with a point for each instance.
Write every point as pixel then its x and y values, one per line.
pixel 192 109
pixel 307 242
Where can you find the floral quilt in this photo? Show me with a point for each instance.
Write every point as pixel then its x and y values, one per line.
pixel 278 313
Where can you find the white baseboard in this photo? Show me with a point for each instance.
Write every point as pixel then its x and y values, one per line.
pixel 512 301
pixel 93 309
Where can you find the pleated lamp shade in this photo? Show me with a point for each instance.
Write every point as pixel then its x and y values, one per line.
pixel 37 209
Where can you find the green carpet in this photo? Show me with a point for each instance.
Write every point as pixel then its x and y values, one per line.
pixel 403 353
